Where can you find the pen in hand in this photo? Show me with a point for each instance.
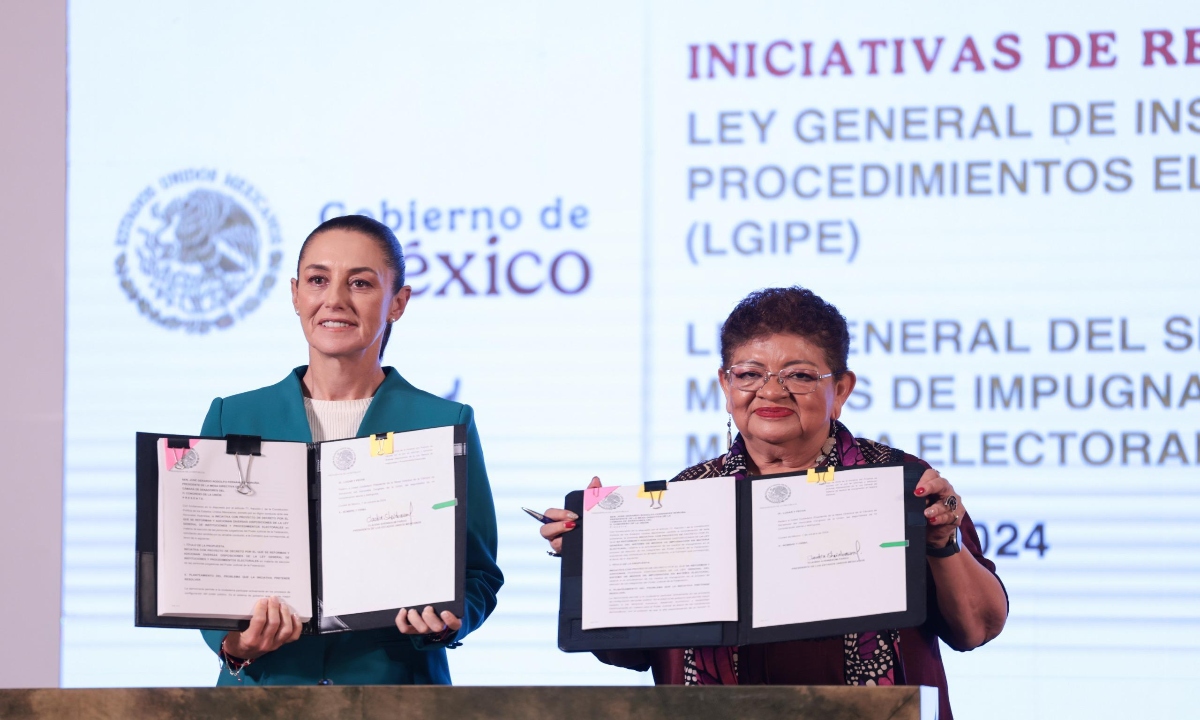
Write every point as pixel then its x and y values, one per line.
pixel 568 519
pixel 538 516
pixel 553 535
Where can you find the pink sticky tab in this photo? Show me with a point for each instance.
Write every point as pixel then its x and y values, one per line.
pixel 179 458
pixel 591 496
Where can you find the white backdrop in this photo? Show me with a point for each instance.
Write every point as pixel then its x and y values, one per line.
pixel 585 192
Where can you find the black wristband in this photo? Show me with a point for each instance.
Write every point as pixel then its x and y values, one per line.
pixel 950 548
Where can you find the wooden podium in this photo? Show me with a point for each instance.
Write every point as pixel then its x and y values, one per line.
pixel 466 703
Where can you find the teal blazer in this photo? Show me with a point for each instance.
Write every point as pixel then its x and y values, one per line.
pixel 373 657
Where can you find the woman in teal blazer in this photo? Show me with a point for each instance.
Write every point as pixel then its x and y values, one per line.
pixel 349 290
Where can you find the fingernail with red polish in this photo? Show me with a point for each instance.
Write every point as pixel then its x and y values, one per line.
pixel 569 524
pixel 920 491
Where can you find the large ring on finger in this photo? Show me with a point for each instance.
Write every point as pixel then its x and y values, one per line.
pixel 551 553
pixel 952 504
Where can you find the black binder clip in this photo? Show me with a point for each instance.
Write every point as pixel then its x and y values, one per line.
pixel 243 445
pixel 239 445
pixel 654 490
pixel 176 443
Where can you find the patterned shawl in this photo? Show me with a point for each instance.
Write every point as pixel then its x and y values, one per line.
pixel 870 657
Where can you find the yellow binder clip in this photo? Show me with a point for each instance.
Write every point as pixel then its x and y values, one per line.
pixel 381 444
pixel 820 477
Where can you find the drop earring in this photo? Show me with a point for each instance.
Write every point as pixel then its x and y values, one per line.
pixel 729 433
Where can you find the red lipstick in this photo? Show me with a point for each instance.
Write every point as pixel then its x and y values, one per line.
pixel 773 413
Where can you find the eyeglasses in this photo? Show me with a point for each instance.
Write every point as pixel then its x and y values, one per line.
pixel 752 379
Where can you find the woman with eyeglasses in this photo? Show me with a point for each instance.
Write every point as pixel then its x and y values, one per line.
pixel 785 378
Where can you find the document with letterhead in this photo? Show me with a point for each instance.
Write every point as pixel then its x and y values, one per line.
pixel 660 557
pixel 345 532
pixel 224 543
pixel 828 546
pixel 720 561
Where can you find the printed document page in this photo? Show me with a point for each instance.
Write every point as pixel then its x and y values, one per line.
pixel 828 545
pixel 220 550
pixel 387 522
pixel 663 557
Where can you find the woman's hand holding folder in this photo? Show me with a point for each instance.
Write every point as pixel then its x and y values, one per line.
pixel 273 625
pixel 427 622
pixel 564 522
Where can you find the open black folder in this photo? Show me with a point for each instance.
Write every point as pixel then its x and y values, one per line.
pixel 400 468
pixel 573 638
